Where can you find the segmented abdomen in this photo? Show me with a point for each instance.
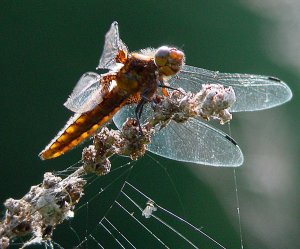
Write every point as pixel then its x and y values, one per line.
pixel 81 126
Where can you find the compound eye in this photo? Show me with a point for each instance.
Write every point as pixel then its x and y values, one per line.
pixel 161 56
pixel 168 60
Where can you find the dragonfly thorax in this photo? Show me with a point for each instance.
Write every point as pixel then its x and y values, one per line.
pixel 138 74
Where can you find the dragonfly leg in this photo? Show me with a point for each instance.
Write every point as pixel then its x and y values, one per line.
pixel 164 86
pixel 139 110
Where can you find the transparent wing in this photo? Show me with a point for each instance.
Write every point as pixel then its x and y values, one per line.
pixel 193 141
pixel 86 94
pixel 253 92
pixel 112 45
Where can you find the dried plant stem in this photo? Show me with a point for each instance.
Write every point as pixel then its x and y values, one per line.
pixel 50 203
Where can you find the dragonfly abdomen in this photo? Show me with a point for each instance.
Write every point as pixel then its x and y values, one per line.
pixel 81 126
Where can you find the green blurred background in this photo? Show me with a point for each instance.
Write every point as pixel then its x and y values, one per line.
pixel 46 46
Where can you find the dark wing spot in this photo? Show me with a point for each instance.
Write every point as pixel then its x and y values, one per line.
pixel 274 79
pixel 231 139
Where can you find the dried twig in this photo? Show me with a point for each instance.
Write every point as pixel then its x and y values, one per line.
pixel 50 203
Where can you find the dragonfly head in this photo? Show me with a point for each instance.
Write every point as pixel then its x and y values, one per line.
pixel 168 60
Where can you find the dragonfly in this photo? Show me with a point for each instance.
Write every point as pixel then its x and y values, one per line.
pixel 133 80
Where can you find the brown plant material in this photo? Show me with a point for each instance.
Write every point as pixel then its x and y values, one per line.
pixel 50 203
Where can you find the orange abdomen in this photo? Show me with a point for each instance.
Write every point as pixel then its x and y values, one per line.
pixel 81 126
